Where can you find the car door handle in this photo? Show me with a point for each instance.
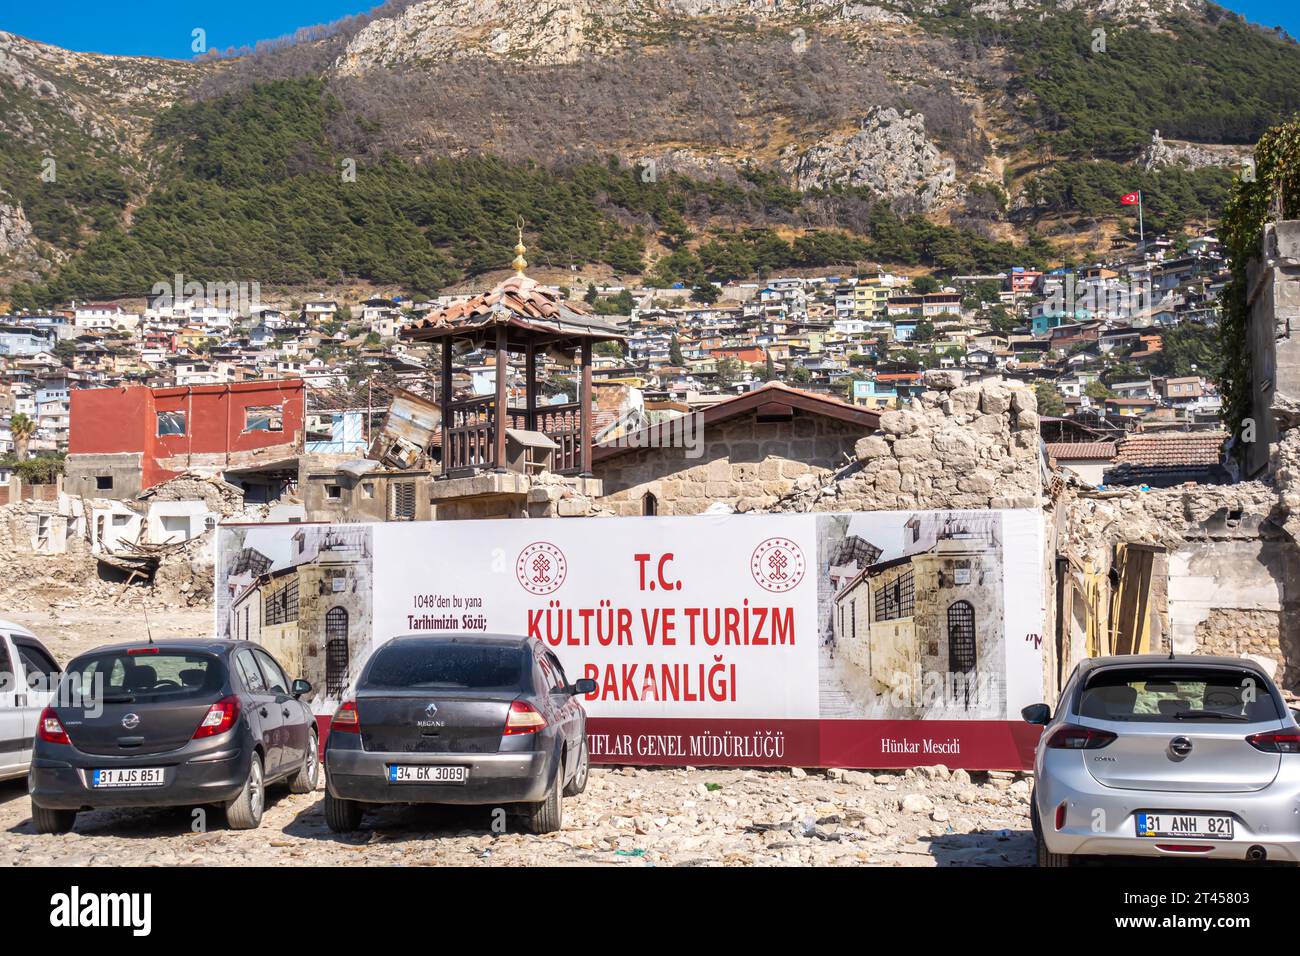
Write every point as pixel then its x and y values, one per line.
pixel 20 700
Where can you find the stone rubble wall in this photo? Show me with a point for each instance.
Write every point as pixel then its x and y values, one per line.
pixel 954 447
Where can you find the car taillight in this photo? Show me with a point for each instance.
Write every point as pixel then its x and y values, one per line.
pixel 49 729
pixel 524 718
pixel 1060 815
pixel 346 719
pixel 220 717
pixel 141 650
pixel 1074 737
pixel 1276 742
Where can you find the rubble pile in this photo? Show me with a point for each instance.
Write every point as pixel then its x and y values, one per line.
pixel 955 446
pixel 627 817
pixel 216 494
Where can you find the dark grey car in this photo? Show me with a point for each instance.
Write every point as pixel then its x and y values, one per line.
pixel 171 723
pixel 459 718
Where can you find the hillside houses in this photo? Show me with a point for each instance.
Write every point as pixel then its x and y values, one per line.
pixel 1093 336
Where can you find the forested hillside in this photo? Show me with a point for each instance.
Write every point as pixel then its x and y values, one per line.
pixel 281 166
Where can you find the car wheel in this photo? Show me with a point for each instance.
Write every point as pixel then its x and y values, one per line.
pixel 579 781
pixel 342 816
pixel 245 811
pixel 546 817
pixel 52 821
pixel 1045 857
pixel 304 781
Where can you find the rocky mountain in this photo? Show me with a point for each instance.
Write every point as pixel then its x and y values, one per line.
pixel 1007 119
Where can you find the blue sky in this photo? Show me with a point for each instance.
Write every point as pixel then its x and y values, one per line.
pixel 166 27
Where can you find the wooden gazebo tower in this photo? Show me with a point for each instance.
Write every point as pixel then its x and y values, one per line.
pixel 517 317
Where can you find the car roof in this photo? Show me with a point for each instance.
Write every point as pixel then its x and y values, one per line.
pixel 462 637
pixel 15 628
pixel 211 645
pixel 1178 660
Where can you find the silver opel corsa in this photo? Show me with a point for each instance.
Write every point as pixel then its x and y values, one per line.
pixel 1156 756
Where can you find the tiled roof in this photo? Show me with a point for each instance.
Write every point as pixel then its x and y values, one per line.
pixel 1171 449
pixel 520 301
pixel 1078 450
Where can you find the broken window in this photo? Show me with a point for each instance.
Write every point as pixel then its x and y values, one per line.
pixel 403 501
pixel 171 423
pixel 103 482
pixel 334 491
pixel 264 418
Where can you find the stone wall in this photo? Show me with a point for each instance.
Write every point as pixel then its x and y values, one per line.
pixel 1234 632
pixel 746 464
pixel 1273 334
pixel 1233 568
pixel 956 446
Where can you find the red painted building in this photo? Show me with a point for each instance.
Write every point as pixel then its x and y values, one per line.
pixel 242 430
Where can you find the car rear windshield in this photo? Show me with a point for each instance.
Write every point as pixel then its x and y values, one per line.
pixel 452 666
pixel 1160 694
pixel 144 678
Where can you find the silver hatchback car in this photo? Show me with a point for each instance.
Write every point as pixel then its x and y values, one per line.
pixel 1156 756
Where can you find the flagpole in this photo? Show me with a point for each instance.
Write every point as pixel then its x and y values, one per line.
pixel 1141 229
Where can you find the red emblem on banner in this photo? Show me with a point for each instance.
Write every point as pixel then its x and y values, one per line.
pixel 541 568
pixel 777 564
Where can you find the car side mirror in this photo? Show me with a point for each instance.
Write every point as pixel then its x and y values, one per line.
pixel 1036 714
pixel 584 686
pixel 301 688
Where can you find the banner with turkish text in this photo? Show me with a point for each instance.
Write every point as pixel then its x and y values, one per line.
pixel 871 639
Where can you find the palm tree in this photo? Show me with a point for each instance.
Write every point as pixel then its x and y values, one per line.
pixel 21 428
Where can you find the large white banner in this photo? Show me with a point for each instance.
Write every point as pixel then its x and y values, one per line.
pixel 812 624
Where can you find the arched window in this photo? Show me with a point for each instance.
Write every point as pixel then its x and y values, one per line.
pixel 649 504
pixel 336 651
pixel 961 637
pixel 961 648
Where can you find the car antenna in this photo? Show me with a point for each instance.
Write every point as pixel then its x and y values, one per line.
pixel 147 629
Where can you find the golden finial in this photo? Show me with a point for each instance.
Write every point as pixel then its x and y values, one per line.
pixel 520 262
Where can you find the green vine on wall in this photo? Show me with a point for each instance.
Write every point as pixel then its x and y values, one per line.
pixel 1269 191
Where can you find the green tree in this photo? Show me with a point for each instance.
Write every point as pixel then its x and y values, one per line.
pixel 1097 391
pixel 1049 400
pixel 923 285
pixel 728 370
pixel 21 429
pixel 705 292
pixel 675 357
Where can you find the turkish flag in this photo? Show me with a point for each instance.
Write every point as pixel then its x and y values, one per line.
pixel 1129 199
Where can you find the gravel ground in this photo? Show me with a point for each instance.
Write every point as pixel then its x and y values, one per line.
pixel 627 817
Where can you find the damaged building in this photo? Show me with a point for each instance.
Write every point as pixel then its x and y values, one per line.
pixel 123 441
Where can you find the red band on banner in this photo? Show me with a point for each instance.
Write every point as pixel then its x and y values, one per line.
pixel 866 744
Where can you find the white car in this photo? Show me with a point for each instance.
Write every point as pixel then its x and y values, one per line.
pixel 1174 757
pixel 28 678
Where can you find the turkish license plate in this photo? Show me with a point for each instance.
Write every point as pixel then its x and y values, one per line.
pixel 1196 825
pixel 427 774
pixel 135 777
